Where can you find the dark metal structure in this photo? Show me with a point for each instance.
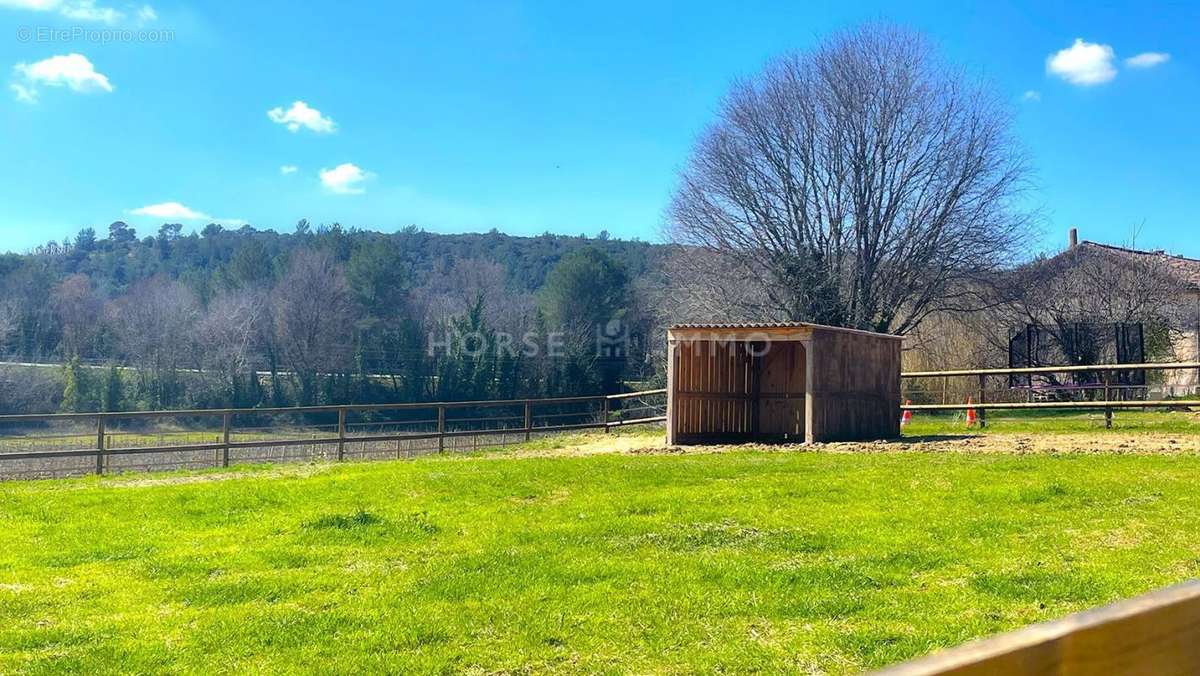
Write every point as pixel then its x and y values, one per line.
pixel 1077 344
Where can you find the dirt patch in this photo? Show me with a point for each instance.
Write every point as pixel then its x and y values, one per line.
pixel 593 445
pixel 1015 444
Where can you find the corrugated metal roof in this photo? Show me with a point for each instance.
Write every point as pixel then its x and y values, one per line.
pixel 753 326
pixel 746 325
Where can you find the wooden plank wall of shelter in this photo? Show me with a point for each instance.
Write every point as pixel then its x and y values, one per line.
pixel 715 385
pixel 1150 635
pixel 855 386
pixel 783 369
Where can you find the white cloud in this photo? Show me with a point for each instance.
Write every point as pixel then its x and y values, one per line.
pixel 1031 95
pixel 34 5
pixel 86 10
pixel 288 169
pixel 24 94
pixel 344 179
pixel 1083 63
pixel 79 10
pixel 1147 59
pixel 170 210
pixel 301 115
pixel 71 70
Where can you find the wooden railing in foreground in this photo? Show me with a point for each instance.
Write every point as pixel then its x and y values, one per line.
pixel 609 412
pixel 1155 634
pixel 981 404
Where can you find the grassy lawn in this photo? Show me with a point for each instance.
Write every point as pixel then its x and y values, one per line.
pixel 740 561
pixel 1057 422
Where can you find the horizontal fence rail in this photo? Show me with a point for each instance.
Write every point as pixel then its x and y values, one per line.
pixel 977 399
pixel 1152 634
pixel 321 432
pixel 1034 370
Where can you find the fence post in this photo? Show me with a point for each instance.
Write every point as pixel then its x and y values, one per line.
pixel 982 400
pixel 225 423
pixel 441 430
pixel 1108 412
pixel 604 413
pixel 341 453
pixel 100 446
pixel 528 420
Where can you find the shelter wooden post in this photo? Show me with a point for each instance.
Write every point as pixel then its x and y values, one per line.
pixel 672 404
pixel 810 395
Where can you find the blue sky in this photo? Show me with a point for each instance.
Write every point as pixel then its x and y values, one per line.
pixel 528 117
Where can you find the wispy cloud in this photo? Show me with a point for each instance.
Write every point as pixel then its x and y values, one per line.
pixel 288 169
pixel 1083 63
pixel 82 10
pixel 73 71
pixel 170 210
pixel 24 94
pixel 344 179
pixel 1031 95
pixel 301 115
pixel 1147 59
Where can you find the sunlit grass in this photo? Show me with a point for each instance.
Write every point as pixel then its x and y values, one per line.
pixel 751 560
pixel 1057 422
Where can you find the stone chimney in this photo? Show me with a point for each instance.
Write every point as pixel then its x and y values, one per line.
pixel 1074 238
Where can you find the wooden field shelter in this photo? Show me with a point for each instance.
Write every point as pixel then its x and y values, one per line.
pixel 781 382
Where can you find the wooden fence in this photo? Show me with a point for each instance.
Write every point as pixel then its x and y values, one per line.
pixel 980 400
pixel 519 420
pixel 1151 635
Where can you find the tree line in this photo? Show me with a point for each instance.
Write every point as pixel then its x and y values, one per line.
pixel 323 315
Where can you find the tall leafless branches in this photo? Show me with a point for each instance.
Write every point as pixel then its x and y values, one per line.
pixel 863 184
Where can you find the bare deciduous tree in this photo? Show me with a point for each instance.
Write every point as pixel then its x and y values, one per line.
pixel 452 293
pixel 863 184
pixel 8 322
pixel 78 310
pixel 1097 286
pixel 230 333
pixel 312 316
pixel 1096 283
pixel 155 326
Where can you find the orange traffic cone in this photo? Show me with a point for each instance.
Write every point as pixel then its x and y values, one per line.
pixel 907 417
pixel 972 418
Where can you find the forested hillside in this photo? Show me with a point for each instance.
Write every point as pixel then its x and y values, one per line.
pixel 320 315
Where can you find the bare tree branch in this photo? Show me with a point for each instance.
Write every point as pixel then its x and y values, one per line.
pixel 862 184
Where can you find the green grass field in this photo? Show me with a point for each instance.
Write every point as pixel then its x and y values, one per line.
pixel 1057 422
pixel 742 561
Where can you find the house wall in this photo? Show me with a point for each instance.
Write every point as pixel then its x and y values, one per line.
pixel 854 387
pixel 1180 383
pixel 1185 347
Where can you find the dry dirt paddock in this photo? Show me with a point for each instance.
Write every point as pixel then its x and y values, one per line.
pixel 1114 443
